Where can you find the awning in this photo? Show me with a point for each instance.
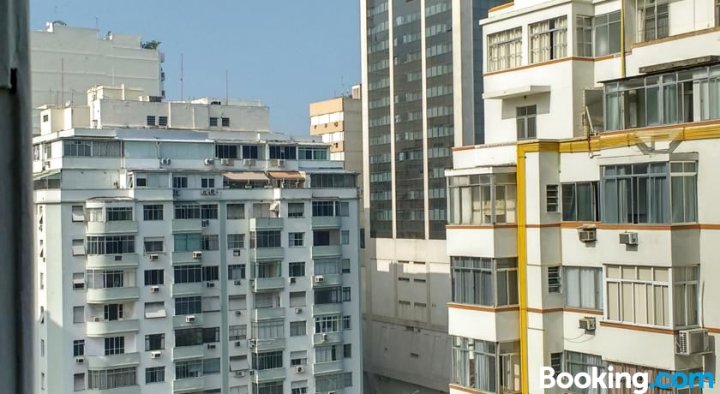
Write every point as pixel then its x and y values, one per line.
pixel 246 176
pixel 287 175
pixel 520 91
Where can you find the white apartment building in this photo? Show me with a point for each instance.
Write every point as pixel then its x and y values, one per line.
pixel 66 61
pixel 183 248
pixel 584 232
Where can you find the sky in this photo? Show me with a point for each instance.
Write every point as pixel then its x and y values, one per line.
pixel 287 53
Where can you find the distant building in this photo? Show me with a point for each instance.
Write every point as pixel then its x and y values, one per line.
pixel 66 61
pixel 183 248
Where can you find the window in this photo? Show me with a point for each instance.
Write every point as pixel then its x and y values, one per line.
pixel 554 280
pixel 346 294
pixel 318 181
pixel 298 357
pixel 580 202
pixel 250 152
pixel 188 369
pixel 576 363
pixel 225 151
pixel 78 247
pixel 207 183
pixel 78 314
pixel 548 40
pixel 187 211
pixel 347 350
pixel 298 328
pixel 78 281
pixel 236 271
pixel 583 287
pixel 153 212
pixel 486 366
pixel 268 329
pixel 267 360
pixel 345 237
pixel 180 182
pixel 505 49
pixel 238 302
pixel 325 324
pixel 154 310
pixel 78 213
pixel 187 242
pixel 112 312
pixel 111 244
pixel 552 198
pixel 225 122
pixel 189 337
pixel 653 20
pixel 482 199
pixel 154 374
pixel 78 348
pixel 685 308
pixel 265 239
pixel 583 35
pixel 638 295
pixel 236 211
pixel 114 345
pixel 526 122
pixel 345 264
pixel 150 120
pixel 312 153
pixel 154 342
pixel 211 273
pixel 297 298
pixel 267 269
pixel 79 382
pixel 484 281
pixel 211 366
pixel 162 121
pixel 333 382
pixel 210 242
pixel 213 121
pixel 77 148
pixel 641 193
pixel 188 305
pixel 324 354
pixel 211 334
pixel 346 322
pixel 188 273
pixel 119 214
pixel 154 244
pixel 296 210
pixel 606 30
pixel 97 279
pixel 237 333
pixel 331 295
pixel 282 152
pixel 107 379
pixel 295 239
pixel 297 269
pixel 269 388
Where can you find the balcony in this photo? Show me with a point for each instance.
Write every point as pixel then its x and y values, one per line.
pixel 328 367
pixel 187 225
pixel 186 257
pixel 109 327
pixel 267 375
pixel 269 344
pixel 268 313
pixel 492 241
pixel 187 321
pixel 328 309
pixel 265 284
pixel 120 226
pixel 100 296
pixel 189 385
pixel 120 390
pixel 326 222
pixel 259 254
pixel 260 224
pixel 181 289
pixel 486 323
pixel 114 361
pixel 101 261
pixel 186 352
pixel 327 280
pixel 326 251
pixel 327 338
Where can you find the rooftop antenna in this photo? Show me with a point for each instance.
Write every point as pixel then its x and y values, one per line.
pixel 227 94
pixel 182 80
pixel 97 26
pixel 62 80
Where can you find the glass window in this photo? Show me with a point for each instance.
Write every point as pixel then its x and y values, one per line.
pixel 265 239
pixel 580 202
pixel 548 40
pixel 267 360
pixel 297 269
pixel 114 345
pixel 486 366
pixel 188 305
pixel 583 36
pixel 583 287
pixel 115 214
pixel 607 33
pixel 482 199
pixel 107 379
pixel 484 281
pixel 295 239
pixel 653 20
pixel 526 119
pixel 236 271
pixel 552 198
pixel 78 348
pixel 296 210
pixel 505 49
pixel 236 241
pixel 154 375
pixel 110 244
pixel 154 342
pixel 236 211
pixel 180 182
pixel 152 212
pixel 298 328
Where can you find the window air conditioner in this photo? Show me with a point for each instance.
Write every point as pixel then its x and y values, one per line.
pixel 628 238
pixel 236 252
pixel 299 369
pixel 693 341
pixel 165 161
pixel 197 254
pixel 587 324
pixel 155 289
pixel 190 319
pixel 153 257
pixel 237 282
pixel 249 162
pixel 240 374
pixel 155 355
pixel 226 162
pixel 298 310
pixel 79 360
pixel 209 284
pixel 319 279
pixel 209 162
pixel 292 280
pixel 587 234
pixel 211 346
pixel 324 337
pixel 205 222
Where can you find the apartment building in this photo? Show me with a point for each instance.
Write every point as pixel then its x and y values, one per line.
pixel 68 60
pixel 183 248
pixel 415 53
pixel 584 233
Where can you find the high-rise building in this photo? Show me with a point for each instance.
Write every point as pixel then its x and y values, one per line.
pixel 414 55
pixel 66 61
pixel 182 247
pixel 583 233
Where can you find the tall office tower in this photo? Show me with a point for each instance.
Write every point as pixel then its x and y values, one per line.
pixel 183 248
pixel 67 61
pixel 413 54
pixel 583 234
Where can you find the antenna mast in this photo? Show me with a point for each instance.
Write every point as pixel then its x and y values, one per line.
pixel 182 76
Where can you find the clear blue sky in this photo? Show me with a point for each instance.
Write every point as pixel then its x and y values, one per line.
pixel 288 53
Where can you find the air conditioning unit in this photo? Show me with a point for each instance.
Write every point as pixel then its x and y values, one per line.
pixel 693 341
pixel 278 163
pixel 226 162
pixel 211 192
pixel 236 252
pixel 324 337
pixel 209 162
pixel 238 282
pixel 197 254
pixel 240 374
pixel 319 279
pixel 628 238
pixel 211 346
pixel 587 324
pixel 298 310
pixel 251 343
pixel 205 222
pixel 249 162
pixel 155 289
pixel 299 369
pixel 79 360
pixel 252 372
pixel 176 192
pixel 587 234
pixel 165 161
pixel 190 319
pixel 292 280
pixel 204 192
pixel 155 355
pixel 238 313
pixel 153 257
pixel 96 319
pixel 238 343
pixel 209 284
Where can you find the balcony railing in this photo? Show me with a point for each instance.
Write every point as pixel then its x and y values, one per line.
pixel 260 224
pixel 121 226
pixel 99 328
pixel 326 222
pixel 264 284
pixel 326 251
pixel 99 296
pixel 328 367
pixel 268 313
pixel 112 260
pixel 113 361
